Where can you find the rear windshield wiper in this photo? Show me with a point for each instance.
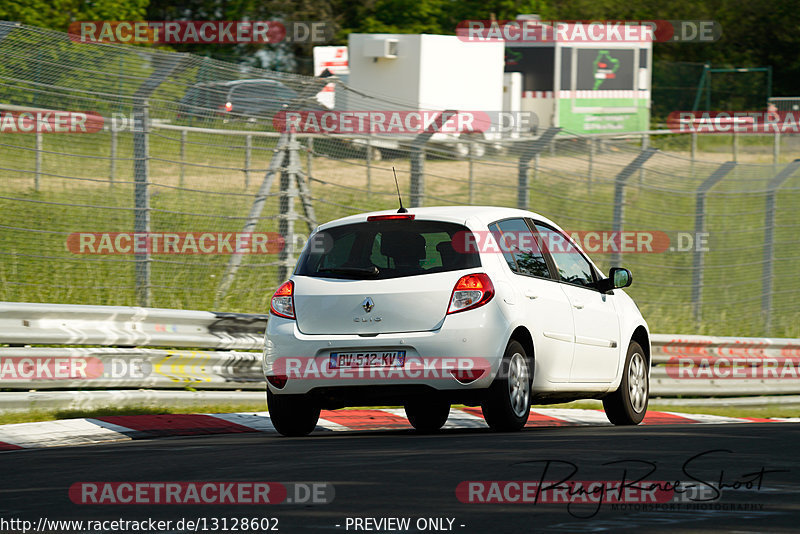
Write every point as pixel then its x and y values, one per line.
pixel 352 271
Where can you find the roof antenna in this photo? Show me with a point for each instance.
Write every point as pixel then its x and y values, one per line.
pixel 402 209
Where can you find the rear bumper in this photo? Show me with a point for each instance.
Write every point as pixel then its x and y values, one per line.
pixel 466 341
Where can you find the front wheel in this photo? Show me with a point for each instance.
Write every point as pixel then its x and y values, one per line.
pixel 508 404
pixel 628 405
pixel 292 415
pixel 427 416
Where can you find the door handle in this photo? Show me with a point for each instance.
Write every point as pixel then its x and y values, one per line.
pixel 531 295
pixel 578 304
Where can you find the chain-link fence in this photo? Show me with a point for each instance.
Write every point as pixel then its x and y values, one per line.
pixel 188 150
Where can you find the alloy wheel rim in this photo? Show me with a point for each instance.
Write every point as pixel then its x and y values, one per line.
pixel 637 382
pixel 519 391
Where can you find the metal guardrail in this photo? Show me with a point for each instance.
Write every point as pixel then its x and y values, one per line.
pixel 689 365
pixel 65 324
pixel 145 348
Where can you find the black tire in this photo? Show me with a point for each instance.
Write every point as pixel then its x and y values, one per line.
pixel 292 415
pixel 628 405
pixel 508 404
pixel 427 415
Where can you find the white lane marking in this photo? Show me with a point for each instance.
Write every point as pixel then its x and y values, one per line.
pixel 259 421
pixel 709 419
pixel 57 433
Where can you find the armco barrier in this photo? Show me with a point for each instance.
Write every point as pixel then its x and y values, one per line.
pixel 723 366
pixel 43 368
pixel 65 324
pixel 136 350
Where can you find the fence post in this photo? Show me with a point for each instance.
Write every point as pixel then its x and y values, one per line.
pixel 141 225
pixel 309 158
pixel 288 194
pixel 645 144
pixel 248 150
pixel 417 157
pixel 700 226
pixel 693 151
pixel 471 172
pixel 112 166
pixel 369 165
pixel 590 172
pixel 776 148
pixel 183 156
pixel 530 151
pixel 259 201
pixel 38 175
pixel 417 161
pixel 769 239
pixel 619 195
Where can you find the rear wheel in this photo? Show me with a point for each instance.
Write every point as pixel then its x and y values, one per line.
pixel 292 415
pixel 427 416
pixel 508 403
pixel 628 405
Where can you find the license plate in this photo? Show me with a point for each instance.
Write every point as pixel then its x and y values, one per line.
pixel 355 360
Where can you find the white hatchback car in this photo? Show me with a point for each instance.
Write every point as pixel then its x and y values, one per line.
pixel 483 306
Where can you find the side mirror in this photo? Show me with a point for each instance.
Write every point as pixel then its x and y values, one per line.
pixel 617 279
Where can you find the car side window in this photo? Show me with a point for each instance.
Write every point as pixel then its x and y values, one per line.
pixel 572 267
pixel 520 247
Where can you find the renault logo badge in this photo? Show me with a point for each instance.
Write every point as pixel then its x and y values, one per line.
pixel 368 304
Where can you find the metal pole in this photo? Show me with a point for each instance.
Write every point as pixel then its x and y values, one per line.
pixel 645 144
pixel 38 175
pixel 531 151
pixel 287 217
pixel 417 186
pixel 112 166
pixel 309 159
pixel 183 156
pixel 590 172
pixel 417 158
pixel 769 239
pixel 248 150
pixel 776 148
pixel 141 225
pixel 619 195
pixel 369 166
pixel 471 163
pixel 700 227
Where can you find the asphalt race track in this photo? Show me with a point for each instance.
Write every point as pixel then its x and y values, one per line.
pixel 399 474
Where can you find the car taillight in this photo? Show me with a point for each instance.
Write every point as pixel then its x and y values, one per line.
pixel 278 381
pixel 471 291
pixel 282 303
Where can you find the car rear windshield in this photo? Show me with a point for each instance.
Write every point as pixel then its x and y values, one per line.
pixel 385 249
